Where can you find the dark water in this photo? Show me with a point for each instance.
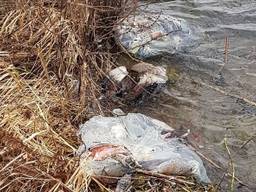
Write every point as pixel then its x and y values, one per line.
pixel 212 97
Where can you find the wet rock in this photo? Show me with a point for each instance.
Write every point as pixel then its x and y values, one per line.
pixel 116 146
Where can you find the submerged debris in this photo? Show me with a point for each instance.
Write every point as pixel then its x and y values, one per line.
pixel 136 142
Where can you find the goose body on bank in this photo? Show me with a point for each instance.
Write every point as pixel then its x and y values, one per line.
pixel 133 84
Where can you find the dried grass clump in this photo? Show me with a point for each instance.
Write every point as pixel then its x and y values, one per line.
pixel 52 54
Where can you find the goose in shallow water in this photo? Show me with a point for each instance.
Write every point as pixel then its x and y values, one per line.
pixel 150 34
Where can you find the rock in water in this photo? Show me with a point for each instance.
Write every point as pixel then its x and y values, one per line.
pixel 116 144
pixel 148 34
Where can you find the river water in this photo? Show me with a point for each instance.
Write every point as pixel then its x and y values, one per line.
pixel 213 88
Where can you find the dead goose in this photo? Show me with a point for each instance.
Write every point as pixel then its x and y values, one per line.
pixel 148 34
pixel 135 141
pixel 141 80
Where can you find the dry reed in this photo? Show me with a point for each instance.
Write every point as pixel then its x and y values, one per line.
pixel 52 55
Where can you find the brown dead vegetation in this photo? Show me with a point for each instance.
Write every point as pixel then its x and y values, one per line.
pixel 51 56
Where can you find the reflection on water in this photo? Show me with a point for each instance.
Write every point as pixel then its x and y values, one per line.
pixel 212 98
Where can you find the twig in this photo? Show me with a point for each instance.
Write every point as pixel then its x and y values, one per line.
pixel 247 141
pixel 228 94
pixel 232 166
pixel 12 161
pixel 54 179
pixel 222 179
pixel 159 175
pixel 226 47
pixel 218 167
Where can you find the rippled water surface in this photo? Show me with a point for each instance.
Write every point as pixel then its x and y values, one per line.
pixel 212 97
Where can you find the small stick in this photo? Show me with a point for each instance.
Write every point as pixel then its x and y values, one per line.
pixel 232 166
pixel 218 167
pixel 247 141
pixel 159 175
pixel 226 47
pixel 12 161
pixel 222 179
pixel 137 169
pixel 228 94
pixel 56 180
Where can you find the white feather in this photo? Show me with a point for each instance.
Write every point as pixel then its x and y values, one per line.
pixel 118 74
